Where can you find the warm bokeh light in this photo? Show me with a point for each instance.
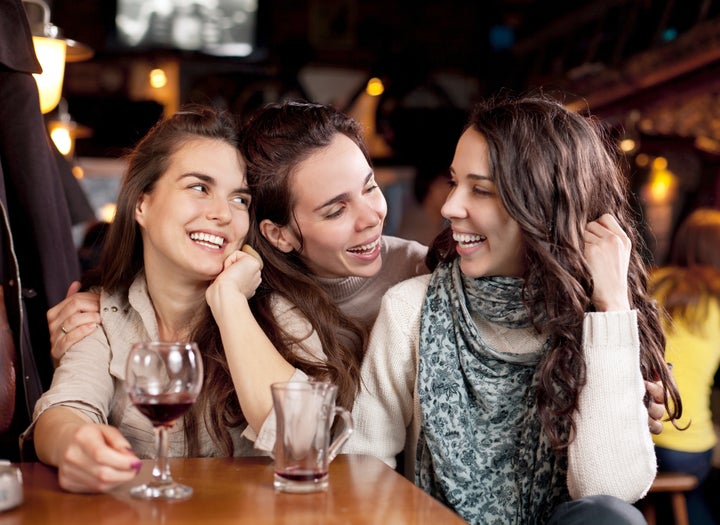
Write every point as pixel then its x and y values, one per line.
pixel 628 145
pixel 642 160
pixel 78 172
pixel 107 212
pixel 375 87
pixel 158 78
pixel 63 139
pixel 660 163
pixel 662 186
pixel 51 55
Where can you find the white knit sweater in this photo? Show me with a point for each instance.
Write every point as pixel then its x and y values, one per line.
pixel 611 454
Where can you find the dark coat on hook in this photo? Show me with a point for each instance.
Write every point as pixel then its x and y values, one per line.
pixel 38 259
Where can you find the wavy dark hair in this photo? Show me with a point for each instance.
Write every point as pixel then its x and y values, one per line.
pixel 692 276
pixel 274 142
pixel 122 257
pixel 556 170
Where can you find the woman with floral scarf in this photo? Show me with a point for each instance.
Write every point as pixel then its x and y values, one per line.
pixel 512 377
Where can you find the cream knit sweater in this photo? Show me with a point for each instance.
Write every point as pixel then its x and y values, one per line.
pixel 611 454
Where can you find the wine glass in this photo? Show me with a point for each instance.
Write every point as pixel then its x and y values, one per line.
pixel 163 380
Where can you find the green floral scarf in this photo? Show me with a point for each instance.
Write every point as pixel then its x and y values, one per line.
pixel 481 450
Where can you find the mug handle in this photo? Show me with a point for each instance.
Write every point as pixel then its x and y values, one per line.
pixel 340 440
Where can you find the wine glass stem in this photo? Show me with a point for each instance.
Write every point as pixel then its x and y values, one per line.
pixel 161 470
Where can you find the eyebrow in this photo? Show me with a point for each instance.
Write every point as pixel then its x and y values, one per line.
pixel 211 180
pixel 342 196
pixel 474 176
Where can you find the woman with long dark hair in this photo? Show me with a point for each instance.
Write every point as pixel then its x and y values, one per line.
pixel 512 377
pixel 171 253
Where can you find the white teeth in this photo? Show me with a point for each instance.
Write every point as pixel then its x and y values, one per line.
pixel 365 247
pixel 207 238
pixel 464 238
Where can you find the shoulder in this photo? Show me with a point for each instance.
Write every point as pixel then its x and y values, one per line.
pixel 395 246
pixel 403 253
pixel 407 296
pixel 413 287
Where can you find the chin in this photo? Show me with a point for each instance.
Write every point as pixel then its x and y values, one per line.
pixel 472 270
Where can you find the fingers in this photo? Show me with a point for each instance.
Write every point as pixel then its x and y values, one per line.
pixel 98 460
pixel 656 406
pixel 72 319
pixel 251 251
pixel 655 426
pixel 239 279
pixel 606 229
pixel 63 343
pixel 656 391
pixel 607 253
pixel 73 288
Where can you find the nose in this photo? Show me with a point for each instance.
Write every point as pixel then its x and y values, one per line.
pixel 219 210
pixel 372 212
pixel 454 207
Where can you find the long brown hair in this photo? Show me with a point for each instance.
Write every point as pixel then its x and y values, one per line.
pixel 555 171
pixel 122 256
pixel 274 142
pixel 692 276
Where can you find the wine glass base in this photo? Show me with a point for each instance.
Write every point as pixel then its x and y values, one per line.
pixel 174 491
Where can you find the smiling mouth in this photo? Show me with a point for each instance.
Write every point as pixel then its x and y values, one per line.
pixel 365 248
pixel 468 241
pixel 207 239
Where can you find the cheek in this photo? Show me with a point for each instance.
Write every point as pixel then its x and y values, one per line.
pixel 242 224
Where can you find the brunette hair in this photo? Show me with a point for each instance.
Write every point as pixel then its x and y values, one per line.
pixel 692 277
pixel 122 256
pixel 555 171
pixel 274 142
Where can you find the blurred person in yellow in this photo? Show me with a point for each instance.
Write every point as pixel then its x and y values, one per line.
pixel 688 290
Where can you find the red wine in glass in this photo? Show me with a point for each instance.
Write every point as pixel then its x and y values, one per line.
pixel 163 380
pixel 304 475
pixel 164 409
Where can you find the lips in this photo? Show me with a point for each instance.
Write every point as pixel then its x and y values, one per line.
pixel 467 240
pixel 208 239
pixel 365 248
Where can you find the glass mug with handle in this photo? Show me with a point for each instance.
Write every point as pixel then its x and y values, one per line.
pixel 163 379
pixel 305 412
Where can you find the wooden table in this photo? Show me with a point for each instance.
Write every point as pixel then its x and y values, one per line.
pixel 363 490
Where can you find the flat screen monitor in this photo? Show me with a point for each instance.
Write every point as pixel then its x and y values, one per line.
pixel 214 27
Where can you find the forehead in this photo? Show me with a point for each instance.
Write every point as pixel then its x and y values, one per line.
pixel 471 154
pixel 213 157
pixel 334 169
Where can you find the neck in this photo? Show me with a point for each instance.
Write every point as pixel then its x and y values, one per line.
pixel 177 306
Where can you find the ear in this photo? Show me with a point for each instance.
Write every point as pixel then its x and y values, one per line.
pixel 140 209
pixel 279 236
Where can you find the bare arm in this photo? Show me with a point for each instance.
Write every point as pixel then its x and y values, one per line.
pixel 252 358
pixel 90 457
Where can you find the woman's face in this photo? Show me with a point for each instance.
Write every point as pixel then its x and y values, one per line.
pixel 197 213
pixel 339 211
pixel 489 241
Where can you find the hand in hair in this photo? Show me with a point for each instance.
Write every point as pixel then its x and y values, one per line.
pixel 607 252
